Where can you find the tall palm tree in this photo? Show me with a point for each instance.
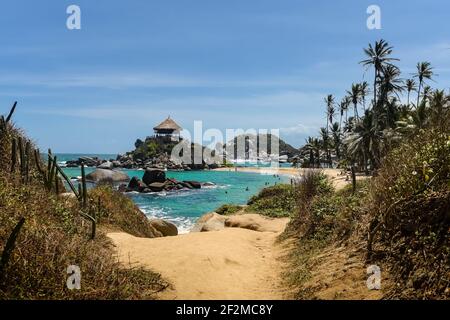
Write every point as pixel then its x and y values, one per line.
pixel 310 148
pixel 378 56
pixel 329 100
pixel 424 71
pixel 336 134
pixel 355 96
pixel 364 91
pixel 326 144
pixel 316 147
pixel 410 86
pixel 343 107
pixel 390 84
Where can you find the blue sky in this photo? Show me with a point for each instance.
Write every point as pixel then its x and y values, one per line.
pixel 232 64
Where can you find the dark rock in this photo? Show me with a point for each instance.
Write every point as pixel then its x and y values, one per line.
pixel 136 185
pixel 156 186
pixel 193 184
pixel 154 175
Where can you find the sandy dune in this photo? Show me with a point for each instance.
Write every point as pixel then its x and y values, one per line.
pixel 233 263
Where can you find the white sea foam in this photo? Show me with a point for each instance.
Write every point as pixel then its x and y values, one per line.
pixel 184 224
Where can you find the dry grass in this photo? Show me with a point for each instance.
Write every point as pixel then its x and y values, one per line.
pixel 55 236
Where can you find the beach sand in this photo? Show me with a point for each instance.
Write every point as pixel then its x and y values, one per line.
pixel 232 263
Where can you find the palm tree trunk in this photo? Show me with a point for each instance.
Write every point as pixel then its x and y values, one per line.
pixel 356 110
pixel 408 96
pixel 418 94
pixel 375 89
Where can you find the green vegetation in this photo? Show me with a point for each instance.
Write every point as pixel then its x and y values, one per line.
pixel 282 200
pixel 275 201
pixel 42 232
pixel 400 217
pixel 228 209
pixel 151 147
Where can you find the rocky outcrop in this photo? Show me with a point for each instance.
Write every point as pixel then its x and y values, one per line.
pixel 87 161
pixel 152 175
pixel 106 165
pixel 209 222
pixel 213 221
pixel 167 184
pixel 166 228
pixel 136 184
pixel 256 222
pixel 156 186
pixel 107 176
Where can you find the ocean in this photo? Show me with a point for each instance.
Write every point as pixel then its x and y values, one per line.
pixel 184 207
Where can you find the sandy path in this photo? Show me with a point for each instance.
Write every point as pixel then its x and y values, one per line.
pixel 233 263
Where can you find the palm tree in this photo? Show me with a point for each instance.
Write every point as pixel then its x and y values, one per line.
pixel 316 147
pixel 326 143
pixel 424 71
pixel 364 91
pixel 336 134
pixel 439 107
pixel 426 93
pixel 355 94
pixel 364 142
pixel 343 107
pixel 378 57
pixel 390 84
pixel 310 148
pixel 329 100
pixel 410 86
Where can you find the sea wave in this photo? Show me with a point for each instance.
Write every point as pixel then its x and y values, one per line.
pixel 184 224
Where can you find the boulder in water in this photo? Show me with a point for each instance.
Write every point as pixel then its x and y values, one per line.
pixel 193 184
pixel 136 185
pixel 156 186
pixel 106 165
pixel 153 175
pixel 107 176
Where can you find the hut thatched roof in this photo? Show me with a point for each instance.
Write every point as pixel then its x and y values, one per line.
pixel 168 124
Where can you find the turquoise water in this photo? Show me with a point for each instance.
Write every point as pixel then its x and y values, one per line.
pixel 185 206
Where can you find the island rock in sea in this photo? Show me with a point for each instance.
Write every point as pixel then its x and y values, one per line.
pixel 155 180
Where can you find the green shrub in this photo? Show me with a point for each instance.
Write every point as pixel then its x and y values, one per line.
pixel 409 206
pixel 275 201
pixel 228 209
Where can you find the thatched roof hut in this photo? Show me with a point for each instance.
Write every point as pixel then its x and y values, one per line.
pixel 167 127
